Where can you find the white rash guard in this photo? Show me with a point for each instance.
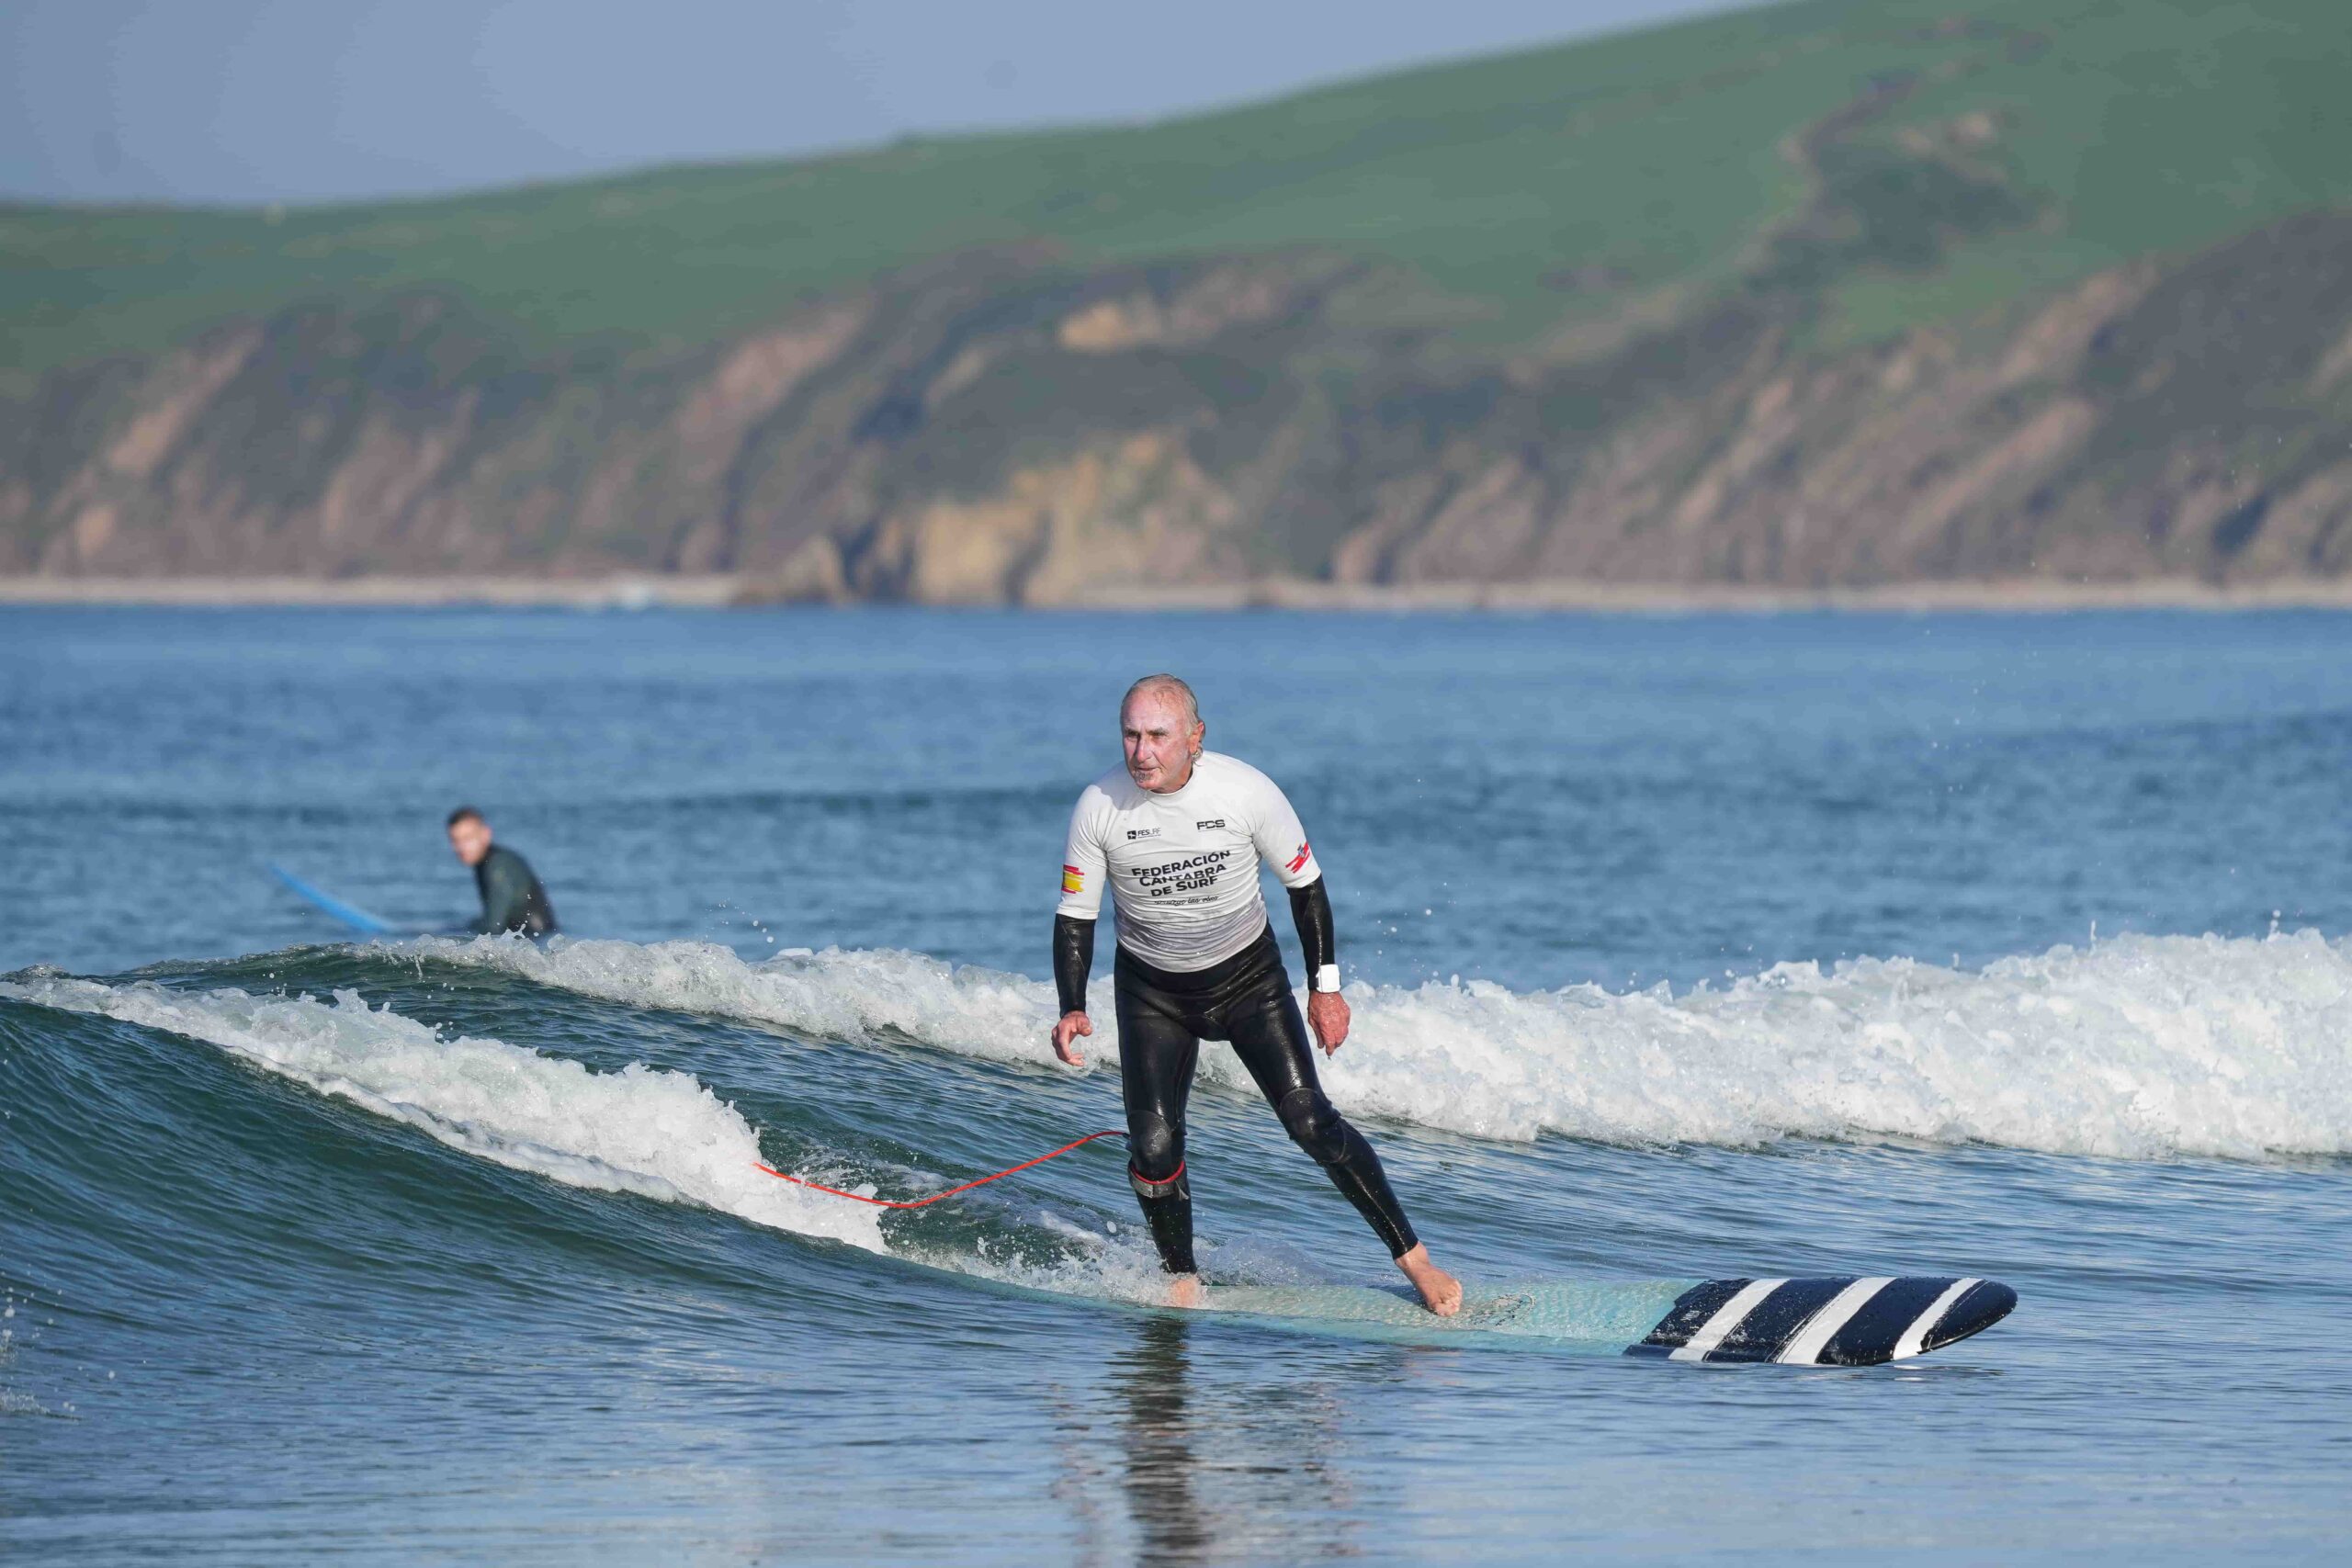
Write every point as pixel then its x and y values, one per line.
pixel 1182 868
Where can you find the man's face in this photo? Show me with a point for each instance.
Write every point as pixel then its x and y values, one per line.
pixel 470 840
pixel 1161 746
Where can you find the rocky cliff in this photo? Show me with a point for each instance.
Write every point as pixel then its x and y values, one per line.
pixel 1022 423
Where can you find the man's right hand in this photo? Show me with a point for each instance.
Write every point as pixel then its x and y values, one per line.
pixel 1072 1025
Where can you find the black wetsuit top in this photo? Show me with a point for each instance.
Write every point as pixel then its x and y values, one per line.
pixel 512 899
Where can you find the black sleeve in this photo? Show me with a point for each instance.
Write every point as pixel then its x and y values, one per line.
pixel 1311 907
pixel 1073 960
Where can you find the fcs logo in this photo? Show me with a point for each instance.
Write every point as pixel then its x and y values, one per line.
pixel 1135 833
pixel 1212 823
pixel 1300 859
pixel 1073 880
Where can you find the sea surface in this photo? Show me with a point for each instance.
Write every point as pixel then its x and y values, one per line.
pixel 1679 946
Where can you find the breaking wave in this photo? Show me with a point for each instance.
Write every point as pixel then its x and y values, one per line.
pixel 660 1134
pixel 2134 1046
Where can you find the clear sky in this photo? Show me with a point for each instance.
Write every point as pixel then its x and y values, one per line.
pixel 302 100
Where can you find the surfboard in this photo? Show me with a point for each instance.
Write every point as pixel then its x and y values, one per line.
pixel 1831 1322
pixel 1836 1321
pixel 351 915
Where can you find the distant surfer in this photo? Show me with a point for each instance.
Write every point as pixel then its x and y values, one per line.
pixel 512 899
pixel 1178 834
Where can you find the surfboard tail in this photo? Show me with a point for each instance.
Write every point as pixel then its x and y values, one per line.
pixel 1834 1322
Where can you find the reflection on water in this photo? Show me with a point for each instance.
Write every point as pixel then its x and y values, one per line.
pixel 1162 1443
pixel 1219 1467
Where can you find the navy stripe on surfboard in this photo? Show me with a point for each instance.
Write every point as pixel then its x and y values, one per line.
pixel 1774 1321
pixel 1690 1313
pixel 1871 1334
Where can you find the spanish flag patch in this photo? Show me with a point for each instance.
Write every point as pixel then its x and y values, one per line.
pixel 1073 880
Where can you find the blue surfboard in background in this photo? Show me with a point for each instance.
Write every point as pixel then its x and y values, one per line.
pixel 351 915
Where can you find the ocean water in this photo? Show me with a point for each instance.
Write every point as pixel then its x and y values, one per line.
pixel 1679 947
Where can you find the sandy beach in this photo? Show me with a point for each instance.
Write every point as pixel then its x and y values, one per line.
pixel 719 590
pixel 376 593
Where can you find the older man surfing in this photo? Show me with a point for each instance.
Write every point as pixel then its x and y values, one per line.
pixel 1178 835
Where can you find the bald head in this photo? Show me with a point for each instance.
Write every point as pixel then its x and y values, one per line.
pixel 1169 686
pixel 1160 725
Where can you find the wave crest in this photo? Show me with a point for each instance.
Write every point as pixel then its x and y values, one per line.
pixel 2136 1046
pixel 643 1130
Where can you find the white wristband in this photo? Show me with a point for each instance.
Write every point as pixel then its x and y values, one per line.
pixel 1328 977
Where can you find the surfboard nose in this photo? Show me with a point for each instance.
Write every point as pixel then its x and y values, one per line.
pixel 1979 1308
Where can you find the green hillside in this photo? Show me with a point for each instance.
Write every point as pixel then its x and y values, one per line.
pixel 1522 189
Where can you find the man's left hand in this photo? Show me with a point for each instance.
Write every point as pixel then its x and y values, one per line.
pixel 1327 1014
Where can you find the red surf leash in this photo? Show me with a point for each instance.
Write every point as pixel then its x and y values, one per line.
pixel 926 1202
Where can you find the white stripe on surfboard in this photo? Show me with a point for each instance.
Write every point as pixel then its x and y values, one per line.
pixel 1727 1317
pixel 1914 1338
pixel 1806 1347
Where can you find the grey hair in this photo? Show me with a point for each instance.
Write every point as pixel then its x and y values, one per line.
pixel 1165 683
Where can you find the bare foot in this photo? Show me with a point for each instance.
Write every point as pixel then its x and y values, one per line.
pixel 1184 1291
pixel 1440 1291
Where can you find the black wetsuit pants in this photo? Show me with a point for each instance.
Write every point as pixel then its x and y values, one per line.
pixel 1164 1018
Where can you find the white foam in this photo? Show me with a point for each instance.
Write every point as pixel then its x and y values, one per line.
pixel 865 997
pixel 658 1133
pixel 2134 1046
pixel 662 1135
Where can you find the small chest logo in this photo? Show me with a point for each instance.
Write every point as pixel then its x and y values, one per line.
pixel 1212 823
pixel 1135 833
